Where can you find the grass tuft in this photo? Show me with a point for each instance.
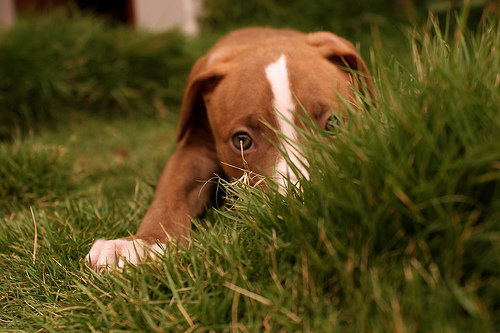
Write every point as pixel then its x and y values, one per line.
pixel 33 174
pixel 65 62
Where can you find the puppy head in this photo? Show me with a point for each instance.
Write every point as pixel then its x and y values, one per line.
pixel 240 90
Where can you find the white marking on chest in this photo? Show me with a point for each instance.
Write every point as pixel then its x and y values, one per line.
pixel 284 106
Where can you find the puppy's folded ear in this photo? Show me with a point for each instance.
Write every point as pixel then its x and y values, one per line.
pixel 341 52
pixel 204 76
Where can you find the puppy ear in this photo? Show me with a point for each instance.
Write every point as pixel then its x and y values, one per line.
pixel 204 76
pixel 341 52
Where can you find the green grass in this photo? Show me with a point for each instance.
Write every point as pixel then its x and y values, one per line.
pixel 32 173
pixel 398 228
pixel 347 19
pixel 74 64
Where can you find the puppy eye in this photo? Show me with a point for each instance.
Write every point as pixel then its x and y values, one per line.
pixel 242 140
pixel 332 124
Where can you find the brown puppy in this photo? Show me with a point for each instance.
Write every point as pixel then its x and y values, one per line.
pixel 250 77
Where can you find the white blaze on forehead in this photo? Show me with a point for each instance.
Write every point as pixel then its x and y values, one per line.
pixel 277 75
pixel 283 103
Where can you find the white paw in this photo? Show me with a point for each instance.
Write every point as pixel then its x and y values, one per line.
pixel 109 254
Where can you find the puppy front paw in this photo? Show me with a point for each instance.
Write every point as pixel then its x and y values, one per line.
pixel 110 254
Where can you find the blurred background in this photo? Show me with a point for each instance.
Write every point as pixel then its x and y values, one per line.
pixel 130 57
pixel 191 15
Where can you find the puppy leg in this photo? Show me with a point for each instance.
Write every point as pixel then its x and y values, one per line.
pixel 182 192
